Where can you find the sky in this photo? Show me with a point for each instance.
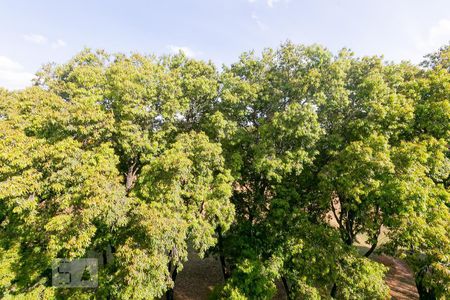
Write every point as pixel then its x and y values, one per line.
pixel 37 32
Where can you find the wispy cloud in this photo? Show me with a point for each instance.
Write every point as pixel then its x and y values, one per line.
pixel 59 44
pixel 12 74
pixel 35 38
pixel 437 36
pixel 258 22
pixel 269 3
pixel 186 50
pixel 9 64
pixel 40 39
pixel 429 41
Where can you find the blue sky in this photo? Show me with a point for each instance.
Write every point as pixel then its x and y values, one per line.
pixel 35 32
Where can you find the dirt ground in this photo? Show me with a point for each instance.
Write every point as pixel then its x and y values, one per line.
pixel 199 277
pixel 399 278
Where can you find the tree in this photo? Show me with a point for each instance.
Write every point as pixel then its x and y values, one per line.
pixel 73 150
pixel 423 235
pixel 279 164
pixel 438 59
pixel 183 196
pixel 270 126
pixel 56 194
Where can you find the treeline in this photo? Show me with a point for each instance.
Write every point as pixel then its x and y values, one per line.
pixel 278 164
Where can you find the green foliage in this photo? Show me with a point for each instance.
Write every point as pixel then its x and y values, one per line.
pixel 307 135
pixel 438 59
pixel 251 280
pixel 279 164
pixel 72 151
pixel 361 278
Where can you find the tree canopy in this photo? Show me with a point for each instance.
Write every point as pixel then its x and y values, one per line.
pixel 280 164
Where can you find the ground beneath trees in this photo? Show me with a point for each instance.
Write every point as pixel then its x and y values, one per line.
pixel 399 278
pixel 199 277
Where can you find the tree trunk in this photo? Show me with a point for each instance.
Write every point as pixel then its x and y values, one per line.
pixel 349 240
pixel 170 292
pixel 105 261
pixel 173 271
pixel 374 245
pixel 225 272
pixel 333 292
pixel 286 287
pixel 130 177
pixel 372 248
pixel 349 228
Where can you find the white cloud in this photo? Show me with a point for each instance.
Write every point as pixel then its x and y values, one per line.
pixel 12 74
pixel 270 3
pixel 41 40
pixel 186 50
pixel 59 44
pixel 258 22
pixel 35 38
pixel 8 64
pixel 437 36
